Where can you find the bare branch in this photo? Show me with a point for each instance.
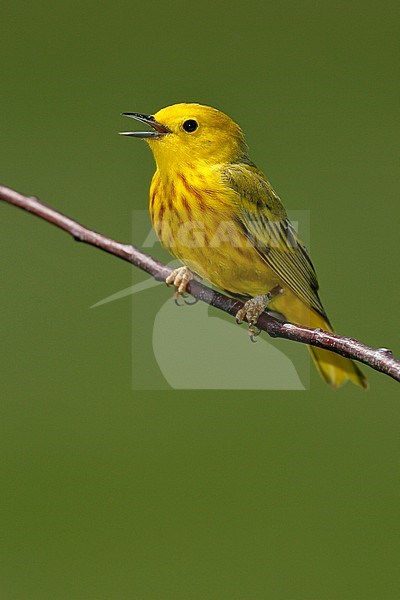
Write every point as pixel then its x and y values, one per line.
pixel 380 359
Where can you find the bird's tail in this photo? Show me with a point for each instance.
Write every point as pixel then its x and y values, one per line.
pixel 336 369
pixel 332 367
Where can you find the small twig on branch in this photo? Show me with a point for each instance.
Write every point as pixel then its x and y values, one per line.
pixel 380 359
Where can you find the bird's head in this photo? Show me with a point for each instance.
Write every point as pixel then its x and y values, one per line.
pixel 190 133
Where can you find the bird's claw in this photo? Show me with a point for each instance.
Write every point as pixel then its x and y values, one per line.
pixel 180 279
pixel 177 299
pixel 253 308
pixel 254 332
pixel 185 297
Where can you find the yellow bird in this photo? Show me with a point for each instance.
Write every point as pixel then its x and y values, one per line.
pixel 215 210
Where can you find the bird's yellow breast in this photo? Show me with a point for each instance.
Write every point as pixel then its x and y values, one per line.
pixel 193 214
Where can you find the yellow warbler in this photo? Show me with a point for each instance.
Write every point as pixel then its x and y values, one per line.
pixel 215 210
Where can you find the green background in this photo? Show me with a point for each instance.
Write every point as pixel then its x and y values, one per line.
pixel 109 492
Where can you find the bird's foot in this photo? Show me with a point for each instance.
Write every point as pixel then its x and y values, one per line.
pixel 253 308
pixel 180 278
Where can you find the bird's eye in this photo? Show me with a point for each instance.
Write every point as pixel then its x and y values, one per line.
pixel 190 125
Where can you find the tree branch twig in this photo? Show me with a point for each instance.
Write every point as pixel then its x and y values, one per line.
pixel 380 359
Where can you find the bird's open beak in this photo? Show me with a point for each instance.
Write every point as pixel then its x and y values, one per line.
pixel 159 129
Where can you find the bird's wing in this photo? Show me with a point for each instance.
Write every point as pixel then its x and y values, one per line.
pixel 264 221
